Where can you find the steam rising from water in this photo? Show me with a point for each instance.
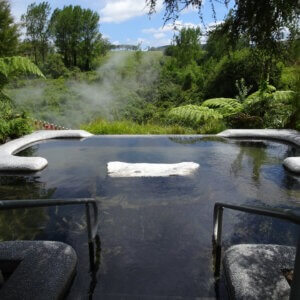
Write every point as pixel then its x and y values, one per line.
pixel 71 102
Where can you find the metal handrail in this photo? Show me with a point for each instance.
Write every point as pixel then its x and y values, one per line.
pixel 290 215
pixel 89 202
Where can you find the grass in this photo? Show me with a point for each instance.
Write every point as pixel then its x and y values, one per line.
pixel 101 126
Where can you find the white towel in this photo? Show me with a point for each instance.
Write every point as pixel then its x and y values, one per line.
pixel 123 169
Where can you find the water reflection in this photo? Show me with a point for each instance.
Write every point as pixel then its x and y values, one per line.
pixel 95 262
pixel 257 152
pixel 254 229
pixel 156 233
pixel 22 224
pixel 196 140
pixel 15 187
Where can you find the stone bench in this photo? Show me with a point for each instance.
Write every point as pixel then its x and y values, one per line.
pixel 36 269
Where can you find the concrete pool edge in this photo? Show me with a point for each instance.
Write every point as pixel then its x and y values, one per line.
pixel 255 271
pixel 286 135
pixel 40 269
pixel 9 162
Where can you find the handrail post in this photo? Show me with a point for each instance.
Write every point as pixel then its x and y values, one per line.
pixel 88 223
pixel 217 238
pixel 96 220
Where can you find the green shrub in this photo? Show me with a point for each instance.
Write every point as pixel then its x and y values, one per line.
pixel 221 82
pixel 275 108
pixel 55 66
pixel 11 125
pixel 289 78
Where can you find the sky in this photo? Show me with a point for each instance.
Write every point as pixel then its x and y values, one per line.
pixel 128 22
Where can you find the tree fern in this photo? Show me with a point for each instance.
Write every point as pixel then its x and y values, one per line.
pixel 16 65
pixel 224 106
pixel 195 116
pixel 276 108
pixel 12 125
pixel 284 96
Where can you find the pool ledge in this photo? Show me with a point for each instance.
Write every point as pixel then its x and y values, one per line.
pixel 291 136
pixel 256 271
pixel 9 162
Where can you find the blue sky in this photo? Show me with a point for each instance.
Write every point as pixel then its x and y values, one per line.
pixel 127 21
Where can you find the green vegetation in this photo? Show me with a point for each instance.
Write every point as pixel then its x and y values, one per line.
pixel 201 118
pixel 101 126
pixel 11 124
pixel 8 31
pixel 238 79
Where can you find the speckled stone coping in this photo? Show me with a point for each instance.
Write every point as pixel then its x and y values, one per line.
pixel 291 136
pixel 40 269
pixel 255 271
pixel 9 162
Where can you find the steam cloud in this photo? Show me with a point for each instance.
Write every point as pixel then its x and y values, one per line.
pixel 73 102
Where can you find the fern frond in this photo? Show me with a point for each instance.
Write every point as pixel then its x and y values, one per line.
pixel 284 96
pixel 224 106
pixel 193 115
pixel 276 108
pixel 10 66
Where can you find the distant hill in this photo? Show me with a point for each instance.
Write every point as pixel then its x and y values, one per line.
pixel 161 48
pixel 124 47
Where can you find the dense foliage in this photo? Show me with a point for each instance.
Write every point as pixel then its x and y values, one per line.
pixel 185 87
pixel 8 31
pixel 76 35
pixel 12 124
pixel 36 22
pixel 262 21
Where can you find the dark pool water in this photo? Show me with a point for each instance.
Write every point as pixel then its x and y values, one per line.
pixel 155 233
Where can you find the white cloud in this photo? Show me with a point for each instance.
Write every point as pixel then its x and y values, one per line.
pixel 163 35
pixel 171 27
pixel 159 35
pixel 117 11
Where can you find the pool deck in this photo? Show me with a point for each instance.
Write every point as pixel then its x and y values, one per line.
pixel 286 135
pixel 255 271
pixel 39 269
pixel 9 162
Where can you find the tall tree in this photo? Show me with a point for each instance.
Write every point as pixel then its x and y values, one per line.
pixel 90 36
pixel 8 31
pixel 36 22
pixel 187 45
pixel 76 35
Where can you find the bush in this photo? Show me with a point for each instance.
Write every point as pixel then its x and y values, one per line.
pixel 55 66
pixel 289 78
pixel 239 64
pixel 11 125
pixel 275 108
